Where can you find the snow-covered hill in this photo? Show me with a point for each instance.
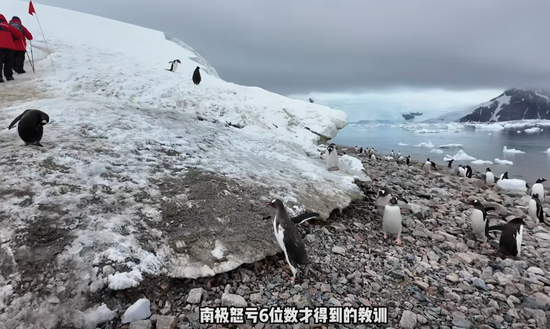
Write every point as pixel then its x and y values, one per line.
pixel 512 104
pixel 142 172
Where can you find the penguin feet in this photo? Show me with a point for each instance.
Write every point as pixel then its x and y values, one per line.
pixel 484 244
pixel 385 236
pixel 38 144
pixel 398 241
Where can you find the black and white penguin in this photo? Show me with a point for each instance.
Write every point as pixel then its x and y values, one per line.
pixel 538 188
pixel 535 209
pixel 383 199
pixel 489 177
pixel 450 163
pixel 175 63
pixel 371 151
pixel 479 222
pixel 356 149
pixel 511 238
pixel 428 165
pixel 392 154
pixel 468 171
pixel 289 238
pixel 461 171
pixel 373 157
pixel 504 176
pixel 408 160
pixel 300 219
pixel 31 126
pixel 311 100
pixel 392 221
pixel 332 157
pixel 399 154
pixel 197 76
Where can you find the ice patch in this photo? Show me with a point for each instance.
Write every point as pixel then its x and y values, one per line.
pixel 480 162
pixel 436 151
pixel 533 130
pixel 426 144
pixel 140 310
pixel 504 162
pixel 448 146
pixel 507 150
pixel 218 250
pixel 97 315
pixel 125 280
pixel 459 156
pixel 512 184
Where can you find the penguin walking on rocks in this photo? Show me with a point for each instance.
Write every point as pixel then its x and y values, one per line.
pixel 538 188
pixel 332 157
pixel 373 157
pixel 468 171
pixel 450 163
pixel 399 154
pixel 289 239
pixel 489 177
pixel 31 126
pixel 535 209
pixel 383 199
pixel 392 221
pixel 461 171
pixel 371 151
pixel 428 165
pixel 392 154
pixel 511 238
pixel 480 223
pixel 197 76
pixel 175 63
pixel 408 160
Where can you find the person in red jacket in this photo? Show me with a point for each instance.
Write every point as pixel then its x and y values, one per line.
pixel 7 46
pixel 20 45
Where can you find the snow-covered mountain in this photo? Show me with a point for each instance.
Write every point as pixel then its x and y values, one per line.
pixel 512 104
pixel 143 172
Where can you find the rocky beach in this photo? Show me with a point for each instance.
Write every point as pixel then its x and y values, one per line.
pixel 440 277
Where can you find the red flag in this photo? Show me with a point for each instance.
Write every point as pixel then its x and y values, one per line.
pixel 31 9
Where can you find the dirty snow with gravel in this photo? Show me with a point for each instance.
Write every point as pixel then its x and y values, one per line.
pixel 122 129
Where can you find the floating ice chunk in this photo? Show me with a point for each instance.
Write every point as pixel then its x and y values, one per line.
pixel 548 151
pixel 512 184
pixel 480 162
pixel 402 144
pixel 436 151
pixel 426 144
pixel 507 150
pixel 504 162
pixel 533 130
pixel 140 310
pixel 448 146
pixel 459 156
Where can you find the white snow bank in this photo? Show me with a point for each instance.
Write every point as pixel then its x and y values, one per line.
pixel 448 146
pixel 354 166
pixel 459 156
pixel 504 162
pixel 426 144
pixel 512 184
pixel 97 315
pixel 124 280
pixel 436 151
pixel 480 162
pixel 533 130
pixel 507 150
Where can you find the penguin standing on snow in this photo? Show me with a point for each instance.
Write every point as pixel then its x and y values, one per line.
pixel 461 171
pixel 450 163
pixel 175 63
pixel 489 177
pixel 535 209
pixel 289 238
pixel 480 223
pixel 538 188
pixel 511 238
pixel 392 221
pixel 468 171
pixel 197 76
pixel 31 126
pixel 332 157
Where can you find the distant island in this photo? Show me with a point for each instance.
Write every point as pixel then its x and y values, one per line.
pixel 411 115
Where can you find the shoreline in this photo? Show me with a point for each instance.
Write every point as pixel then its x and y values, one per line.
pixel 439 278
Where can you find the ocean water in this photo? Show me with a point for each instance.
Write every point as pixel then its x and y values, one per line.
pixel 484 142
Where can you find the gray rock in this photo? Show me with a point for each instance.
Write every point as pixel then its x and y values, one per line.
pixel 542 298
pixel 195 296
pixel 140 324
pixel 233 300
pixel 338 250
pixel 462 323
pixel 166 322
pixel 108 270
pixel 408 320
pixel 479 284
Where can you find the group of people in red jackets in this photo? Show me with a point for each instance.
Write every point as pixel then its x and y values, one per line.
pixel 13 46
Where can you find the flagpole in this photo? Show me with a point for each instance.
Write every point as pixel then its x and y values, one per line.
pixel 31 12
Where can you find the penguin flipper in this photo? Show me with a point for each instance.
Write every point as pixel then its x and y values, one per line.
pixel 304 217
pixel 400 198
pixel 17 119
pixel 490 209
pixel 167 69
pixel 496 228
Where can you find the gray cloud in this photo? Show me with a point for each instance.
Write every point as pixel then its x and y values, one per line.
pixel 324 45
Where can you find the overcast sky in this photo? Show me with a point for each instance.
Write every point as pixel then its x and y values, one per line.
pixel 294 47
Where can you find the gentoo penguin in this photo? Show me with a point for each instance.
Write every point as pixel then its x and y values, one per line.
pixel 538 188
pixel 468 171
pixel 489 177
pixel 392 154
pixel 504 176
pixel 373 157
pixel 535 209
pixel 450 163
pixel 428 165
pixel 197 76
pixel 461 171
pixel 383 199
pixel 31 126
pixel 480 224
pixel 408 160
pixel 511 238
pixel 175 63
pixel 300 219
pixel 399 154
pixel 371 151
pixel 289 238
pixel 332 157
pixel 311 100
pixel 356 149
pixel 391 221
